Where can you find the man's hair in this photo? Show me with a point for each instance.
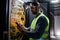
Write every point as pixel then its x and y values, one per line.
pixel 35 3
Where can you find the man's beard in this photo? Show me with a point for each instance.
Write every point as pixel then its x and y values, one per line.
pixel 34 13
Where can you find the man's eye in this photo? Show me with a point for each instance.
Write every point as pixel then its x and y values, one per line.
pixel 32 7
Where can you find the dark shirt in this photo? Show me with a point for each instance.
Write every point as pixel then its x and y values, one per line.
pixel 40 28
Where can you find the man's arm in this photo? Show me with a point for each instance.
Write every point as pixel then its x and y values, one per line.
pixel 40 28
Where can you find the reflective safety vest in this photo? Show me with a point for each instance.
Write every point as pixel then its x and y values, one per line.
pixel 33 26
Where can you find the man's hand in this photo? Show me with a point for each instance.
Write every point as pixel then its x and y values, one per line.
pixel 19 26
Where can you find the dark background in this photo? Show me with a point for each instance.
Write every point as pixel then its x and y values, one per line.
pixel 2 17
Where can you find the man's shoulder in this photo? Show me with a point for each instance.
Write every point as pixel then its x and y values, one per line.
pixel 42 18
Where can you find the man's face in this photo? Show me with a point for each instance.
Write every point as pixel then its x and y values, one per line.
pixel 35 9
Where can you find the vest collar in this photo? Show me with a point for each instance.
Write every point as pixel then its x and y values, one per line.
pixel 38 14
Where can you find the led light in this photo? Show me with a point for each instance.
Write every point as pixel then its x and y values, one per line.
pixel 27 0
pixel 21 1
pixel 54 1
pixel 52 36
pixel 57 33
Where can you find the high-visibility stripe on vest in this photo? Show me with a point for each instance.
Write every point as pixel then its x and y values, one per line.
pixel 33 26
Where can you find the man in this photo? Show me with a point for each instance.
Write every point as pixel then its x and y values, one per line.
pixel 39 26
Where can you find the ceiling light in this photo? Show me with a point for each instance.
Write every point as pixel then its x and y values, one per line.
pixel 54 1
